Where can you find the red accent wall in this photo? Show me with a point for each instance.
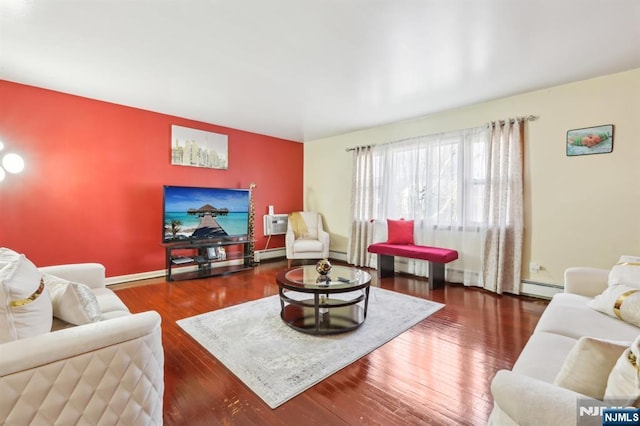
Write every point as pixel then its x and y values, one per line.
pixel 91 190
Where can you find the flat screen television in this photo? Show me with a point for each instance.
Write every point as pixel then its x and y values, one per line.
pixel 196 213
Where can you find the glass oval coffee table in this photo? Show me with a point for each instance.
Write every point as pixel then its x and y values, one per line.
pixel 316 304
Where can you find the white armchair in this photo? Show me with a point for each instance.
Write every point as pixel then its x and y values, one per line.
pixel 306 238
pixel 107 372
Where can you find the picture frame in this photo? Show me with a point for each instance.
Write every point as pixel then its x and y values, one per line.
pixel 199 148
pixel 590 140
pixel 212 253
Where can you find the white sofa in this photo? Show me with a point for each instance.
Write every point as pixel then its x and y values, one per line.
pixel 102 373
pixel 526 395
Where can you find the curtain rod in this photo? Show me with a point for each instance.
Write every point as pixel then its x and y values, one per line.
pixel 525 118
pixel 529 117
pixel 356 147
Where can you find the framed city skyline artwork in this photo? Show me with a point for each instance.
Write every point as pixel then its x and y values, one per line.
pixel 199 148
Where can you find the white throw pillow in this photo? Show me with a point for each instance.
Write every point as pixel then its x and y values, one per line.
pixel 626 271
pixel 7 256
pixel 623 386
pixel 25 305
pixel 74 303
pixel 619 301
pixel 587 366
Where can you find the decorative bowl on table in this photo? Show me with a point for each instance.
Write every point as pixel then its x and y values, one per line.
pixel 323 267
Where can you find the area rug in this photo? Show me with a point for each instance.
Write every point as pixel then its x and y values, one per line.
pixel 277 362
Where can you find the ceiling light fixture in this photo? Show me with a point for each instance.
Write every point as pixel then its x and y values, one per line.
pixel 11 163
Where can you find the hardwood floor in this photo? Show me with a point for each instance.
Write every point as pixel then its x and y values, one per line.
pixel 437 373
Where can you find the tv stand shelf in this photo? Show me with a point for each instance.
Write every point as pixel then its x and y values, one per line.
pixel 200 259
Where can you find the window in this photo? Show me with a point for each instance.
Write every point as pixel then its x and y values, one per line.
pixel 437 180
pixel 462 188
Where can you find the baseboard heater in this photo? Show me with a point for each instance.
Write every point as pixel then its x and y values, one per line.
pixel 540 290
pixel 269 254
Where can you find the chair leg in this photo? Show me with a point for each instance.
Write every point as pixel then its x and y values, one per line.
pixel 288 263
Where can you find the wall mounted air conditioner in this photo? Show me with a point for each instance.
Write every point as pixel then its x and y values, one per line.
pixel 275 224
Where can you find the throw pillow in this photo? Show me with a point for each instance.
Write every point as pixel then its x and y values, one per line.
pixel 400 231
pixel 619 301
pixel 74 303
pixel 587 366
pixel 623 386
pixel 7 256
pixel 626 271
pixel 25 305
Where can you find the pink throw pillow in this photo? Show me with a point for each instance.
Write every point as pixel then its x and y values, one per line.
pixel 400 231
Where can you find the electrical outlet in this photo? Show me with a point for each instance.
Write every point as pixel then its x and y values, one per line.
pixel 534 267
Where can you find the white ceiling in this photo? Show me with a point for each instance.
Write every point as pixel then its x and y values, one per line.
pixel 307 69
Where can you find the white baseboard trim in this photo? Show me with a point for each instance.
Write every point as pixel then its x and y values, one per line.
pixel 540 290
pixel 119 279
pixel 338 255
pixel 281 252
pixel 269 254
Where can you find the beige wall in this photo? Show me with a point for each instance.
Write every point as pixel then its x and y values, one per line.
pixel 578 210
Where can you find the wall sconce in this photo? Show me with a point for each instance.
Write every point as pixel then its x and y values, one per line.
pixel 11 162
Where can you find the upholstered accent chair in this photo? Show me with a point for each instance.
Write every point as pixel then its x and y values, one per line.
pixel 306 238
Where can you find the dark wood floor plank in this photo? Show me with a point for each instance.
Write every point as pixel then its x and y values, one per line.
pixel 437 373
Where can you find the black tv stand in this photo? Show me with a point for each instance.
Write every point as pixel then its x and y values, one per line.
pixel 187 260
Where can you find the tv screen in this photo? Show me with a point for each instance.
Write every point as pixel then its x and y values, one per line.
pixel 192 213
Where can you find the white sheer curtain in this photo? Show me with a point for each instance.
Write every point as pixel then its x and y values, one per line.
pixel 442 182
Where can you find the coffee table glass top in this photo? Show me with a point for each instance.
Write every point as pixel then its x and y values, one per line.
pixel 340 278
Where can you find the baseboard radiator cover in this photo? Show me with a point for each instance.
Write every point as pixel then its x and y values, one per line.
pixel 272 253
pixel 539 290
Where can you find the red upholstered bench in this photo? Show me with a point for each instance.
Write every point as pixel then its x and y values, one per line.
pixel 436 256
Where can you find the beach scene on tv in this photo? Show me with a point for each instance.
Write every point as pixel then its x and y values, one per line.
pixel 204 213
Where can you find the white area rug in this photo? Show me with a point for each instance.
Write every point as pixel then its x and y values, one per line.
pixel 277 362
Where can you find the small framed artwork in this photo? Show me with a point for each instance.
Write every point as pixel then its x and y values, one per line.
pixel 590 140
pixel 212 253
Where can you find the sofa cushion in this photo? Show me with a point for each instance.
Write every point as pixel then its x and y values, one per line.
pixel 570 315
pixel 400 231
pixel 626 271
pixel 303 245
pixel 432 254
pixel 623 385
pixel 619 301
pixel 74 303
pixel 25 305
pixel 110 305
pixel 587 367
pixel 311 220
pixel 543 355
